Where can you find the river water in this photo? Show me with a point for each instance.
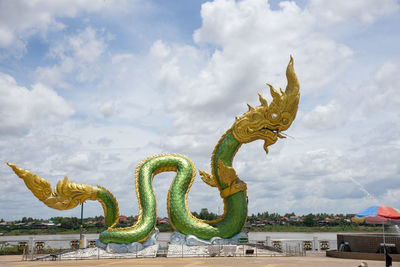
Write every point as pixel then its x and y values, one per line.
pixel 63 241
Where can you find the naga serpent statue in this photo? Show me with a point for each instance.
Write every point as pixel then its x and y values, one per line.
pixel 264 122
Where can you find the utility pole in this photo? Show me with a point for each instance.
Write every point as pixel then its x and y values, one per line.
pixel 81 228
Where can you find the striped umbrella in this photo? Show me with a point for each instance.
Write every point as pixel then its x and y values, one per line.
pixel 378 215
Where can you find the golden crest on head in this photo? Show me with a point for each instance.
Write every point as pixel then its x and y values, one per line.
pixel 267 121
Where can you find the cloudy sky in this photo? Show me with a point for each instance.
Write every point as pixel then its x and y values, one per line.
pixel 90 88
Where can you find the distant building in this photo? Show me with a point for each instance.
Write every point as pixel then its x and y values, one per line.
pixel 123 218
pixel 294 219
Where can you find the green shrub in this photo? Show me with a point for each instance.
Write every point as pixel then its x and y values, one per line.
pixel 6 249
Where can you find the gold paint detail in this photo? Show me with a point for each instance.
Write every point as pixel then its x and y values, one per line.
pixel 266 122
pixel 240 186
pixel 229 177
pixel 66 195
pixel 208 178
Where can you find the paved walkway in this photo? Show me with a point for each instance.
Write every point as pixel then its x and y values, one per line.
pixel 11 261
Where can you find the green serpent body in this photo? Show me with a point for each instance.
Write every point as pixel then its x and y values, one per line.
pixel 264 122
pixel 180 217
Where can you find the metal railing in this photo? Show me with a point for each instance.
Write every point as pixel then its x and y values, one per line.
pixel 268 248
pixel 300 247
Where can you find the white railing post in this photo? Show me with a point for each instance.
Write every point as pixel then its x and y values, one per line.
pixel 316 244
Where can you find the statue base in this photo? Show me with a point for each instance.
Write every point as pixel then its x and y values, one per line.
pixel 176 239
pixel 191 240
pixel 133 247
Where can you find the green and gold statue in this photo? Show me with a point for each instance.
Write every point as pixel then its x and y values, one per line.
pixel 265 122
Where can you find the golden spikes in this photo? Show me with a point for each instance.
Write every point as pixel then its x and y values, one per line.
pixel 293 86
pixel 263 101
pixel 250 107
pixel 208 178
pixel 274 93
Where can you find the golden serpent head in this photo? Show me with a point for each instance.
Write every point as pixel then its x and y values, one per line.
pixel 266 122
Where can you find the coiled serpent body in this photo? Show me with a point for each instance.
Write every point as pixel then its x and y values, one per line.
pixel 180 217
pixel 264 122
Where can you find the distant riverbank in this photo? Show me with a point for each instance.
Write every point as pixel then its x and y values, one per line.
pixel 308 229
pixel 354 228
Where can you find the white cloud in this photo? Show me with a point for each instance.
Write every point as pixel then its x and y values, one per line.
pixel 107 108
pixel 325 117
pixel 21 19
pixel 253 44
pixel 85 47
pixel 159 50
pixel 382 91
pixel 78 56
pixel 364 11
pixel 6 37
pixel 84 161
pixel 226 21
pixel 21 108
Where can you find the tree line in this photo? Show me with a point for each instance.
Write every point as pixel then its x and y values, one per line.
pixel 254 221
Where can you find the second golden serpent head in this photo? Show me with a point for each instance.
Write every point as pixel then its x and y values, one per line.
pixel 266 122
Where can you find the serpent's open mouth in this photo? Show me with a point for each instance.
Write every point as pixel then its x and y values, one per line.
pixel 275 131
